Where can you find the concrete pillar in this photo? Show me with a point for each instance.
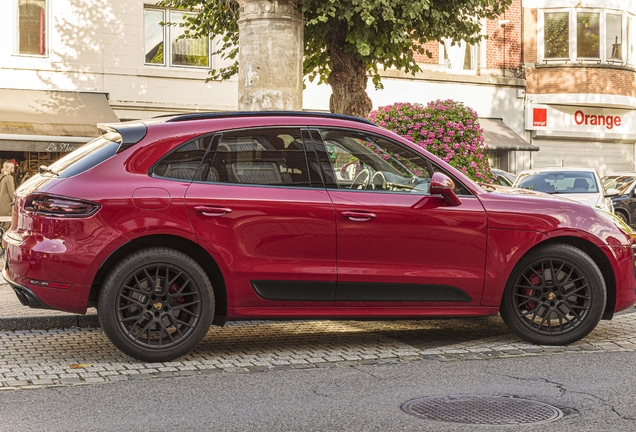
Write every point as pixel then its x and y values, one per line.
pixel 270 55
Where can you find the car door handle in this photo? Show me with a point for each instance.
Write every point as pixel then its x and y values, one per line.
pixel 212 211
pixel 358 216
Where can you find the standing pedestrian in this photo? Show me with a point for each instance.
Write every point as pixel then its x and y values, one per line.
pixel 7 189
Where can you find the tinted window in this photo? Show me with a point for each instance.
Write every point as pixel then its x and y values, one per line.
pixel 185 162
pixel 87 156
pixel 269 156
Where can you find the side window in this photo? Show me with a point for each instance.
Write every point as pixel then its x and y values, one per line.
pixel 368 162
pixel 184 163
pixel 268 156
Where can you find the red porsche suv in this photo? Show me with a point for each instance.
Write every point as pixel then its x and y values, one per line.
pixel 176 223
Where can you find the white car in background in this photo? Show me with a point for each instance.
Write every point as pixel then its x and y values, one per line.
pixel 579 184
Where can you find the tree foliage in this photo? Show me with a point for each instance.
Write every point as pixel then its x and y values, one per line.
pixel 353 36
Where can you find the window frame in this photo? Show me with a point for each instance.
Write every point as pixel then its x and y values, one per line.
pixel 627 45
pixel 47 21
pixel 167 41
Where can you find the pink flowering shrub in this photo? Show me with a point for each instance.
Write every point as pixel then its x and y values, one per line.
pixel 448 129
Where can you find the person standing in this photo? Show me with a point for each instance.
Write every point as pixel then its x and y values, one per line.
pixel 7 189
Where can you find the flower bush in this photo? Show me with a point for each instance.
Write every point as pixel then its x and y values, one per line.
pixel 448 129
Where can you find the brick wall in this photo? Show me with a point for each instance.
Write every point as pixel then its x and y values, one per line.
pixel 581 80
pixel 529 35
pixel 433 48
pixel 504 42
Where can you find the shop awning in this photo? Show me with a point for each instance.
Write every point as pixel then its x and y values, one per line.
pixel 50 121
pixel 498 136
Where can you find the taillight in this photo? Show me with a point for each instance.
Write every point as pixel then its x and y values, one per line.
pixel 59 206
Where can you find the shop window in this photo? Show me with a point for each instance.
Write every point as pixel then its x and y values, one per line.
pixel 580 35
pixel 179 51
pixel 32 27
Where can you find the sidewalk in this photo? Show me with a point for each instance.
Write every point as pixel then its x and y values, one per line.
pixel 14 316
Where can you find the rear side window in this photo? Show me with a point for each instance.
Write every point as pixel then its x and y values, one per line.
pixel 87 156
pixel 185 162
pixel 267 156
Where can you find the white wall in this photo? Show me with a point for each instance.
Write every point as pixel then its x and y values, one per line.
pixel 486 100
pixel 98 45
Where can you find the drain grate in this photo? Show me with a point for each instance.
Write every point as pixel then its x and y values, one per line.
pixel 482 410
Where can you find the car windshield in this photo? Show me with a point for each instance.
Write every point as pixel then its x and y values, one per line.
pixel 559 182
pixel 622 183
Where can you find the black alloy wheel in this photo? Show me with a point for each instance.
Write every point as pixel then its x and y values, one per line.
pixel 555 296
pixel 156 305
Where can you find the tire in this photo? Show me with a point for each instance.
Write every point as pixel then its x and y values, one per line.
pixel 546 310
pixel 622 216
pixel 156 304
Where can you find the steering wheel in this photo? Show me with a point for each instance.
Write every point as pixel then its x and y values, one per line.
pixel 379 181
pixel 350 170
pixel 362 180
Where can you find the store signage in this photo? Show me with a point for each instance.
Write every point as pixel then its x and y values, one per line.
pixel 565 119
pixel 539 117
pixel 609 121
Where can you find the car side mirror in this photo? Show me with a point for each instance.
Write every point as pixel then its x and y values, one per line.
pixel 611 192
pixel 442 185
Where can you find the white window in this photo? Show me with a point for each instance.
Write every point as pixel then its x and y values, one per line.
pixel 459 57
pixel 163 45
pixel 585 35
pixel 32 26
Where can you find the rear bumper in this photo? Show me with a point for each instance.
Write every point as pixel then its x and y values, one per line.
pixel 25 295
pixel 72 299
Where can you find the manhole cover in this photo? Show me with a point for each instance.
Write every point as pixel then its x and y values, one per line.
pixel 483 410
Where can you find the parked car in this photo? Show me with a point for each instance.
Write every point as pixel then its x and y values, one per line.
pixel 504 178
pixel 578 184
pixel 625 202
pixel 172 224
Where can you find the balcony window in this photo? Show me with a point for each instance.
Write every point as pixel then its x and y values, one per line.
pixel 586 35
pixel 557 35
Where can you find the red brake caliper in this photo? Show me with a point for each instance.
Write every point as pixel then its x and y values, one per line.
pixel 535 280
pixel 176 301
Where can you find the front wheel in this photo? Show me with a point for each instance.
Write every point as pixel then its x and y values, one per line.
pixel 156 304
pixel 555 296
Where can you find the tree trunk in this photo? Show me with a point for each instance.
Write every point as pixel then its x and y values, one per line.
pixel 348 80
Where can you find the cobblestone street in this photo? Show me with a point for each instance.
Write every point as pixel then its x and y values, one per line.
pixel 32 358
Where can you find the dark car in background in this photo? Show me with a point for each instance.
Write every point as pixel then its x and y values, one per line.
pixel 625 202
pixel 172 224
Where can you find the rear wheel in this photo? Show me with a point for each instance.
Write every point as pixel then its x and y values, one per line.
pixel 555 296
pixel 156 304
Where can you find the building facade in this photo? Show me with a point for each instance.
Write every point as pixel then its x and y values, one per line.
pixel 580 66
pixel 69 64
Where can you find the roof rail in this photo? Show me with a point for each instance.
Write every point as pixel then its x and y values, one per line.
pixel 227 114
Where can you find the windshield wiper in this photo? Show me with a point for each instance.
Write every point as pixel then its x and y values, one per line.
pixel 46 170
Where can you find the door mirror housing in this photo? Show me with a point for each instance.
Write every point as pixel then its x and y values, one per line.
pixel 442 185
pixel 611 192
